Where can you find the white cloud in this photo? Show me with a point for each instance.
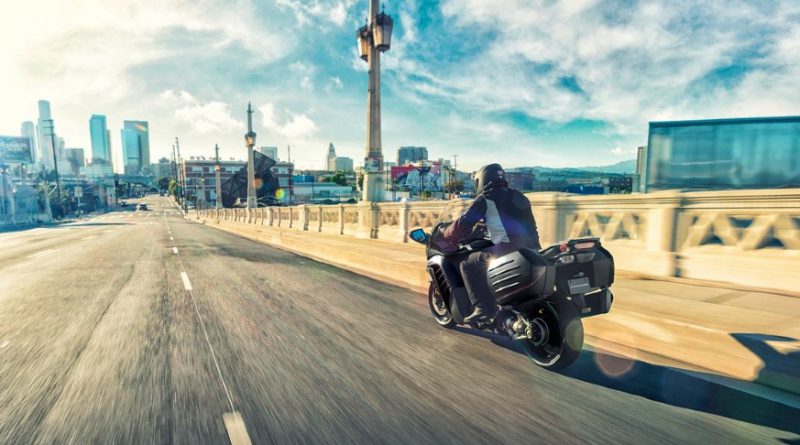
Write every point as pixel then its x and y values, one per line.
pixel 296 126
pixel 334 83
pixel 304 11
pixel 307 84
pixel 619 151
pixel 568 60
pixel 202 117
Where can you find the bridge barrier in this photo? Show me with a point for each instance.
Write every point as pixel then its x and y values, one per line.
pixel 746 237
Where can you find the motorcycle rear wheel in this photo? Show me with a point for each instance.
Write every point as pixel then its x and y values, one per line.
pixel 438 308
pixel 565 339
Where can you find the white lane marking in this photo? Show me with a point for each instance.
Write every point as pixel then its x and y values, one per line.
pixel 42 253
pixel 171 239
pixel 4 344
pixel 175 250
pixel 186 283
pixel 237 432
pixel 205 332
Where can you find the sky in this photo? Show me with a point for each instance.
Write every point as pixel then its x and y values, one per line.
pixel 552 83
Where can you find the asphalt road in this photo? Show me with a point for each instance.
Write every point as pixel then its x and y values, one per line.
pixel 101 342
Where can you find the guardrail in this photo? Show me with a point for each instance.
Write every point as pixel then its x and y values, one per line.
pixel 750 237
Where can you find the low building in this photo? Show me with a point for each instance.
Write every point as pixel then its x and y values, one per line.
pixel 322 192
pixel 97 170
pixel 201 180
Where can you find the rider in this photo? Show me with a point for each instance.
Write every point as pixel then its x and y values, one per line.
pixel 510 226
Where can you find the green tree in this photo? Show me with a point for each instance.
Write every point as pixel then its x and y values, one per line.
pixel 163 183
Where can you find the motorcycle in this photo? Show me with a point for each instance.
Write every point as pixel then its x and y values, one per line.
pixel 541 295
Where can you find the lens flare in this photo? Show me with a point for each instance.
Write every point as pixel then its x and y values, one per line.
pixel 280 193
pixel 620 363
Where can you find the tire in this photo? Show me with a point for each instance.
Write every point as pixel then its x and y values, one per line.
pixel 439 311
pixel 562 349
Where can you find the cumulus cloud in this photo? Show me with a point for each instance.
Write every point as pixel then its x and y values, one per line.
pixel 295 126
pixel 568 60
pixel 202 117
pixel 619 151
pixel 305 11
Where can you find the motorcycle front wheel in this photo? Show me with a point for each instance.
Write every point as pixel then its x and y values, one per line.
pixel 438 308
pixel 559 337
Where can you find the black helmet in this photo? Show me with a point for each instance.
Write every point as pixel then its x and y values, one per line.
pixel 491 175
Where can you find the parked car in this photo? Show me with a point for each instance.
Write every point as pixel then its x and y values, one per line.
pixel 142 206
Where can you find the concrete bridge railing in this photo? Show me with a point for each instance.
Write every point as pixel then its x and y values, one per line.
pixel 750 237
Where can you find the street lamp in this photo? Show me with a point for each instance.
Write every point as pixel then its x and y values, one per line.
pixel 250 141
pixel 374 38
pixel 218 173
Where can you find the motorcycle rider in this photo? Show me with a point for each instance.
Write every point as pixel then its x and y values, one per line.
pixel 510 225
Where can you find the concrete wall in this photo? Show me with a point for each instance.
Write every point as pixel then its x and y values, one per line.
pixel 749 237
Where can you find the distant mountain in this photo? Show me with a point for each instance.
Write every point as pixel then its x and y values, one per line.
pixel 623 167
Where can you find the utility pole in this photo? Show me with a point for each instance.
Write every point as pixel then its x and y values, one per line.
pixel 218 180
pixel 183 175
pixel 454 178
pixel 52 129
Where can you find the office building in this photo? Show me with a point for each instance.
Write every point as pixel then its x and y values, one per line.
pixel 28 130
pixel 342 164
pixel 744 153
pixel 330 158
pixel 44 127
pixel 100 138
pixel 201 178
pixel 411 155
pixel 272 152
pixel 135 147
pixel 163 169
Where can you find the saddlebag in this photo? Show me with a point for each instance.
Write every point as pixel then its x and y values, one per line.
pixel 520 275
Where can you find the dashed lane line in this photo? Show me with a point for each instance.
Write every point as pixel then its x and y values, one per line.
pixel 237 432
pixel 186 283
pixel 42 253
pixel 234 424
pixel 175 250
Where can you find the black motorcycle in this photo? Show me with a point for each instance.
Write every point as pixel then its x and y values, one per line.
pixel 541 295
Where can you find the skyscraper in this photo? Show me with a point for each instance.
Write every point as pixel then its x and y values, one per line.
pixel 272 152
pixel 101 143
pixel 45 142
pixel 135 146
pixel 131 152
pixel 28 130
pixel 330 158
pixel 408 155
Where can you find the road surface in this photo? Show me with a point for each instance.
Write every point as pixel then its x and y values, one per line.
pixel 143 327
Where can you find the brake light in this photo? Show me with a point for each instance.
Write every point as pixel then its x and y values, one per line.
pixel 587 245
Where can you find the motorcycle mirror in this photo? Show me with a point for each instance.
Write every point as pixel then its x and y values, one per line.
pixel 419 236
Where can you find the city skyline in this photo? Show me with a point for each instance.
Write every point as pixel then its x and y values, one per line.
pixel 535 84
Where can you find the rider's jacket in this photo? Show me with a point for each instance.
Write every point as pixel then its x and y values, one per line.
pixel 507 215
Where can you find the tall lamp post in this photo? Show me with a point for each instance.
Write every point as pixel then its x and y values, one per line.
pixel 217 179
pixel 373 39
pixel 52 129
pixel 250 141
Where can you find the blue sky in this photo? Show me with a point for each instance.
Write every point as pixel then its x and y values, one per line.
pixel 520 82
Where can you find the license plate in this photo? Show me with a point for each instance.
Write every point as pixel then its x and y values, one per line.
pixel 579 285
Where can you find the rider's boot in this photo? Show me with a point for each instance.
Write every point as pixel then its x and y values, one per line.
pixel 482 312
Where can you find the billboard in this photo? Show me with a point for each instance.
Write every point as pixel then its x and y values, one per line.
pixel 15 150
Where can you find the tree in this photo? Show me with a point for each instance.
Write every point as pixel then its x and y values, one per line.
pixel 163 183
pixel 339 178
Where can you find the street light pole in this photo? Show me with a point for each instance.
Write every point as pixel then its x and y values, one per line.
pixel 52 129
pixel 182 175
pixel 250 141
pixel 217 179
pixel 374 38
